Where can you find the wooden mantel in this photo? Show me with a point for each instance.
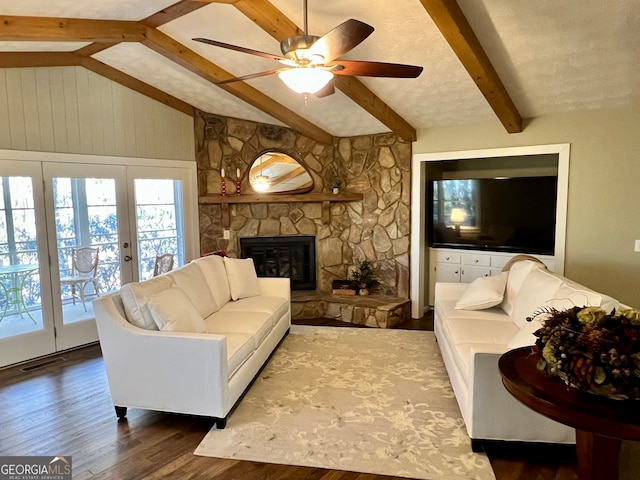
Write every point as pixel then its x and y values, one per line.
pixel 324 198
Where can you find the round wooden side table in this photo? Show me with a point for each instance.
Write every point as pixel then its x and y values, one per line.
pixel 601 423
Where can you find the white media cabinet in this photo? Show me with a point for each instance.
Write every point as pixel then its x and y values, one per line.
pixel 463 266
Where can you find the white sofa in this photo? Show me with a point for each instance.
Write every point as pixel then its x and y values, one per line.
pixel 192 340
pixel 476 323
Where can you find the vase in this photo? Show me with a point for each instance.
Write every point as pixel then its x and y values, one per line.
pixel 336 190
pixel 363 290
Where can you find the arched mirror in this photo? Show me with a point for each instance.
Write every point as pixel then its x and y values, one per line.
pixel 277 172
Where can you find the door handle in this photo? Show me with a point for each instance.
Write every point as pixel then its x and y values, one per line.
pixel 127 258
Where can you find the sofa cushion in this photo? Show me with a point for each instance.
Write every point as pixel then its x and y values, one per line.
pixel 243 281
pixel 517 274
pixel 483 292
pixel 240 347
pixel 215 275
pixel 135 295
pixel 461 331
pixel 191 279
pixel 172 311
pixel 274 306
pixel 256 324
pixel 537 290
pixel 525 337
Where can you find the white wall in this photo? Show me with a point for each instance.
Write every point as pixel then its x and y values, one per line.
pixel 73 110
pixel 603 218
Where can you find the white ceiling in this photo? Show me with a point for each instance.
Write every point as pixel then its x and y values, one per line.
pixel 552 55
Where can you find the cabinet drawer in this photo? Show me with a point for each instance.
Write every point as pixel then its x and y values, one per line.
pixel 499 261
pixel 469 274
pixel 474 259
pixel 446 257
pixel 448 273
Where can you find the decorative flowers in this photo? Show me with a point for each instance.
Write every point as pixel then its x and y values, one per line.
pixel 591 349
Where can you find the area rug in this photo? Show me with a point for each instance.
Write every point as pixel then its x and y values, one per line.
pixel 357 399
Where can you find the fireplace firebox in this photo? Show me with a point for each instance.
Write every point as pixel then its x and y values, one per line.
pixel 283 256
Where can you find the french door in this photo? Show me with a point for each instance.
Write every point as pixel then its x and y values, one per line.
pixel 92 228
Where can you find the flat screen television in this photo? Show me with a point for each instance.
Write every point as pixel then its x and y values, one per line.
pixel 516 214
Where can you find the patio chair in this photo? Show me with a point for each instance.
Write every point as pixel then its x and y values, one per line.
pixel 84 269
pixel 164 264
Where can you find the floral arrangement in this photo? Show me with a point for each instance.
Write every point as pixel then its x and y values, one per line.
pixel 591 349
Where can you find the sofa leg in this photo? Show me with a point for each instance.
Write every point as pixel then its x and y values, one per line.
pixel 121 412
pixel 477 446
pixel 221 423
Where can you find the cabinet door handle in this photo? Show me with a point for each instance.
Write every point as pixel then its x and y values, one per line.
pixel 446 258
pixel 476 260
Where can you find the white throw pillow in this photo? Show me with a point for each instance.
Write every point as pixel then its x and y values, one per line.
pixel 538 289
pixel 215 274
pixel 191 279
pixel 517 274
pixel 172 311
pixel 135 295
pixel 243 281
pixel 567 297
pixel 483 292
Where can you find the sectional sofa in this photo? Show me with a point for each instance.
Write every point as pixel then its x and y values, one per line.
pixel 192 340
pixel 476 323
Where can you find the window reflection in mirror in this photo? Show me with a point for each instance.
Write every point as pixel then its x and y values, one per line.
pixel 277 172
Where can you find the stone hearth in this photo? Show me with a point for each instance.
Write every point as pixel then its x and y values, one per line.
pixel 382 311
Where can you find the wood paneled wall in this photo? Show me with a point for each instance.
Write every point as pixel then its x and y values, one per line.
pixel 73 110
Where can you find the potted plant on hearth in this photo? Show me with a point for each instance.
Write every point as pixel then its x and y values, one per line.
pixel 336 184
pixel 364 276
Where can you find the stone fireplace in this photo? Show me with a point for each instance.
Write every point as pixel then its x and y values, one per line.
pixel 376 228
pixel 291 256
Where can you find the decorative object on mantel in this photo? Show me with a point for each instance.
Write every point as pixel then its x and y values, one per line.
pixel 274 171
pixel 336 184
pixel 223 184
pixel 343 287
pixel 591 350
pixel 238 192
pixel 364 277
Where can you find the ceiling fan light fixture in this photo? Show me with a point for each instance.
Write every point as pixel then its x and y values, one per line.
pixel 305 80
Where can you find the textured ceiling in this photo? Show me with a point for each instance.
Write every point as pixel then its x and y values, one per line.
pixel 551 55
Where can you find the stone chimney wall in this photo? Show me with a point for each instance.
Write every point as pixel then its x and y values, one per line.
pixel 376 229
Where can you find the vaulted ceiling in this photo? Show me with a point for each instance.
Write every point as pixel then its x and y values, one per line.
pixel 500 60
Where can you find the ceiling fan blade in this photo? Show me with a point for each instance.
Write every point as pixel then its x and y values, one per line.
pixel 250 76
pixel 374 69
pixel 341 39
pixel 237 48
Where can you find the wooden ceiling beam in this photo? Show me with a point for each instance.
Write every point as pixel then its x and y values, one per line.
pixel 455 28
pixel 264 14
pixel 172 12
pixel 182 55
pixel 37 59
pixel 69 29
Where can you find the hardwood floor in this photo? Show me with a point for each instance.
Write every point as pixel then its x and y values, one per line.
pixel 64 408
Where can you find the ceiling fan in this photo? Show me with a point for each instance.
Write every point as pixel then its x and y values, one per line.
pixel 310 62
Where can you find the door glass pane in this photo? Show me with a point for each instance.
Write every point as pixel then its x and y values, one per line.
pixel 159 223
pixel 20 294
pixel 87 241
